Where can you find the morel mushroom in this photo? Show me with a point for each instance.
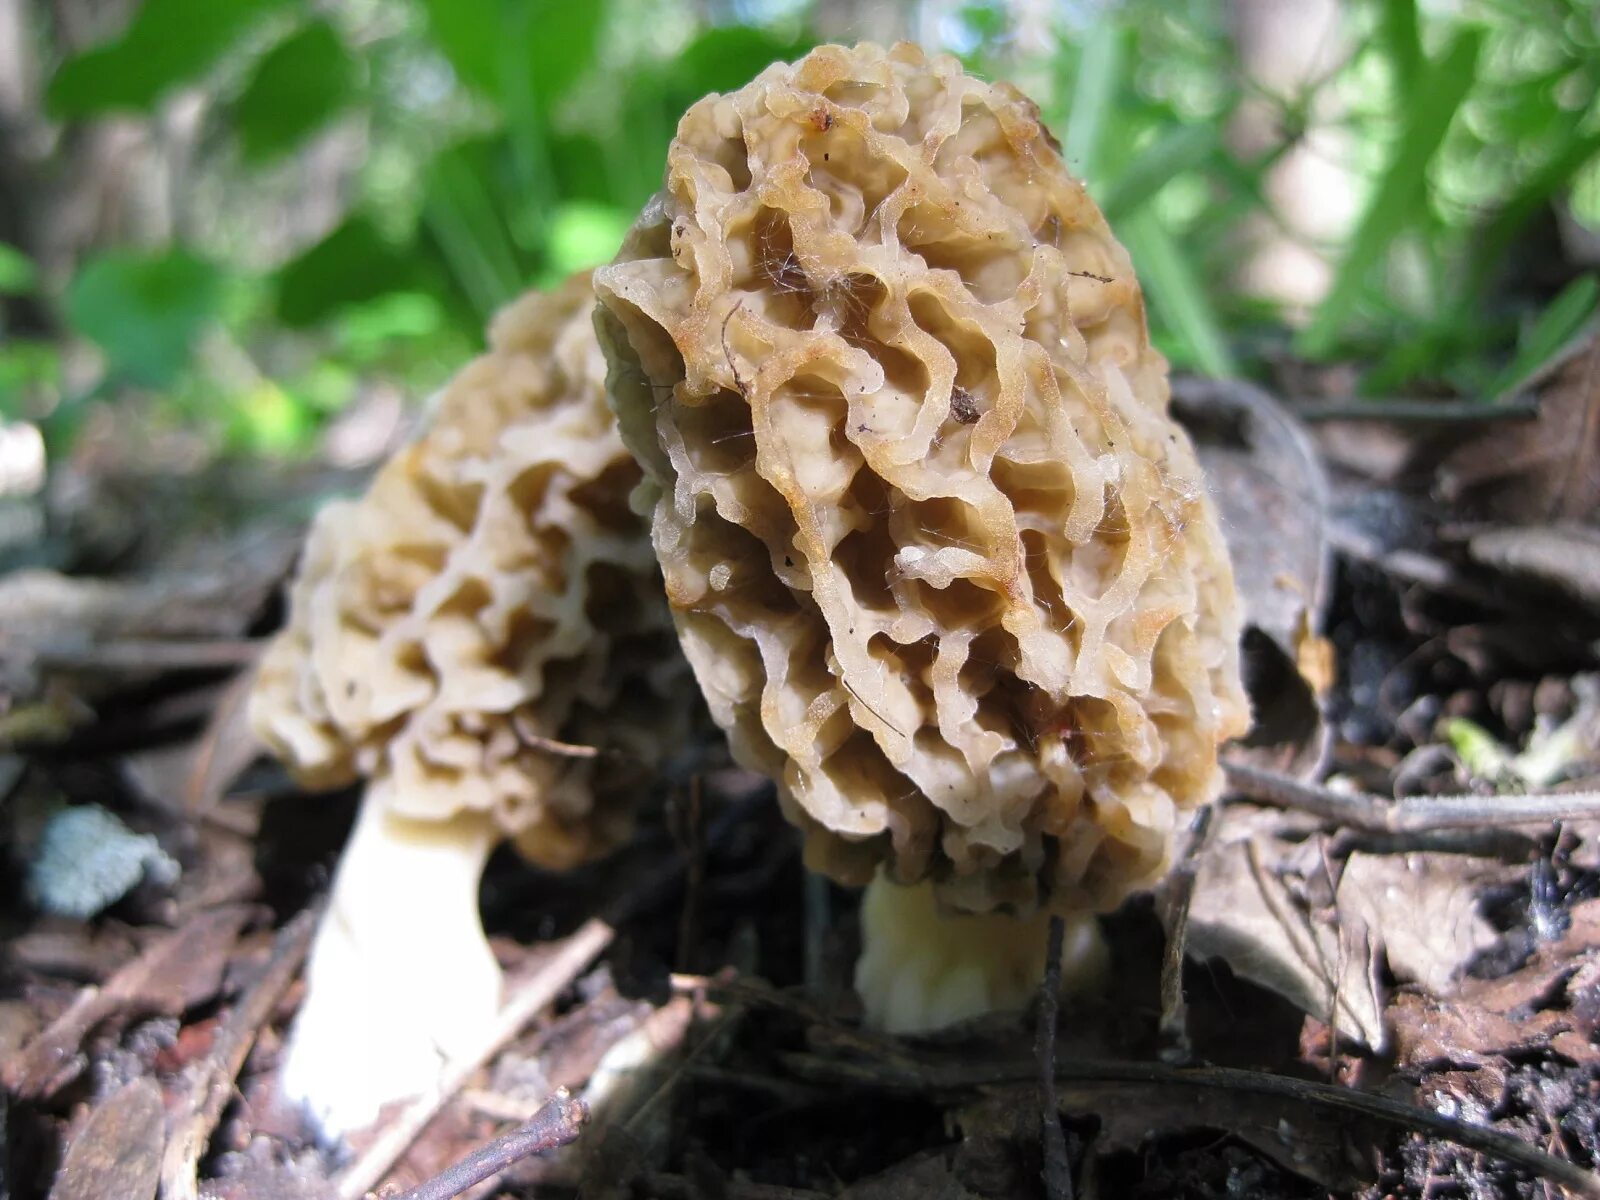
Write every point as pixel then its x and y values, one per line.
pixel 491 593
pixel 941 561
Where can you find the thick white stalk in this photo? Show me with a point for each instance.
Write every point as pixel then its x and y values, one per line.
pixel 400 977
pixel 923 969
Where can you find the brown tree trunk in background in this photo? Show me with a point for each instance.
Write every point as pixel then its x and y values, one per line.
pixel 1287 49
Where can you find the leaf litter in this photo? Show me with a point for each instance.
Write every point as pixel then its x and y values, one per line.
pixel 1374 1001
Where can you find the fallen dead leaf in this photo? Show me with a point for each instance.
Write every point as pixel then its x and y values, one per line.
pixel 1423 909
pixel 1540 470
pixel 1267 479
pixel 117 1154
pixel 923 1177
pixel 178 970
pixel 1251 910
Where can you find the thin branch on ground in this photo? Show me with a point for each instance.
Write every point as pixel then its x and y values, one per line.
pixel 210 1081
pixel 1409 814
pixel 150 654
pixel 1057 1165
pixel 1174 1026
pixel 942 1078
pixel 556 1124
pixel 527 998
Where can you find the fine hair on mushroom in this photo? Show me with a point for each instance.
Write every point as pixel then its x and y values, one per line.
pixel 942 562
pixel 491 596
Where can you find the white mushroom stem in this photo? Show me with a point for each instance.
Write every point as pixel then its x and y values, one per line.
pixel 923 969
pixel 400 977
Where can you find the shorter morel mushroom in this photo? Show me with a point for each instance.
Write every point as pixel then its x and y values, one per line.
pixel 942 562
pixel 492 594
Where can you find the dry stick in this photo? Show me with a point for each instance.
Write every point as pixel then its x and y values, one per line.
pixel 939 1077
pixel 150 654
pixel 556 1124
pixel 210 1081
pixel 1174 1027
pixel 1410 814
pixel 528 997
pixel 1057 1166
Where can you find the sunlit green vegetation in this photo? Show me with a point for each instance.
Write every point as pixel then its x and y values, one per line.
pixel 485 146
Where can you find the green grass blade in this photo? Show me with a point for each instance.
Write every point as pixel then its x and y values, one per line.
pixel 1401 195
pixel 1179 149
pixel 1094 95
pixel 1403 43
pixel 1555 327
pixel 1173 286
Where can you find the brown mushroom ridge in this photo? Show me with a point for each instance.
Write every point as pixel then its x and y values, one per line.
pixel 491 590
pixel 943 564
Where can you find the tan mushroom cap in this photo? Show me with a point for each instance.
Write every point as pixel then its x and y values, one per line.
pixel 943 564
pixel 491 589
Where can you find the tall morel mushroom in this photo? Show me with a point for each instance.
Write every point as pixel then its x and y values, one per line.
pixel 490 594
pixel 941 561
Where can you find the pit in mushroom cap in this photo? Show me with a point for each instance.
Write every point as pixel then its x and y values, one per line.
pixel 943 564
pixel 491 592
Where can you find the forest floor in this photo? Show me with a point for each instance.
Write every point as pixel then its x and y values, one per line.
pixel 1374 970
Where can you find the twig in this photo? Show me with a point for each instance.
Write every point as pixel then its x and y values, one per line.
pixel 1410 814
pixel 940 1077
pixel 149 654
pixel 560 749
pixel 1419 411
pixel 1057 1166
pixel 1174 1027
pixel 210 1081
pixel 528 998
pixel 558 1123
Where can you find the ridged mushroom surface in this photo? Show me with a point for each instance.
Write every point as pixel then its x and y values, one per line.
pixel 490 592
pixel 942 562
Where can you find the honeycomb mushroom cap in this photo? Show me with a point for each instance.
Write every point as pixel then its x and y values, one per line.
pixel 941 560
pixel 492 590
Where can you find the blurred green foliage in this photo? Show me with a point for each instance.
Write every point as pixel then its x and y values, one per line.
pixel 509 142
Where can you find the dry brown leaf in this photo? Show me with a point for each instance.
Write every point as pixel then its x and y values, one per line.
pixel 1423 909
pixel 1547 1005
pixel 1250 909
pixel 1541 470
pixel 177 971
pixel 923 1177
pixel 117 1154
pixel 1267 479
pixel 1563 556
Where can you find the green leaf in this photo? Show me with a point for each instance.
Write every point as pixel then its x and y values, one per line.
pixel 468 32
pixel 1177 150
pixel 167 43
pixel 297 87
pixel 1549 334
pixel 1402 42
pixel 582 235
pixel 1094 95
pixel 1401 194
pixel 17 274
pixel 558 45
pixel 728 57
pixel 145 311
pixel 463 210
pixel 353 264
pixel 1175 291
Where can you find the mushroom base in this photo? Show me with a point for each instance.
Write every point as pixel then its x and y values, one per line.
pixel 922 969
pixel 401 977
